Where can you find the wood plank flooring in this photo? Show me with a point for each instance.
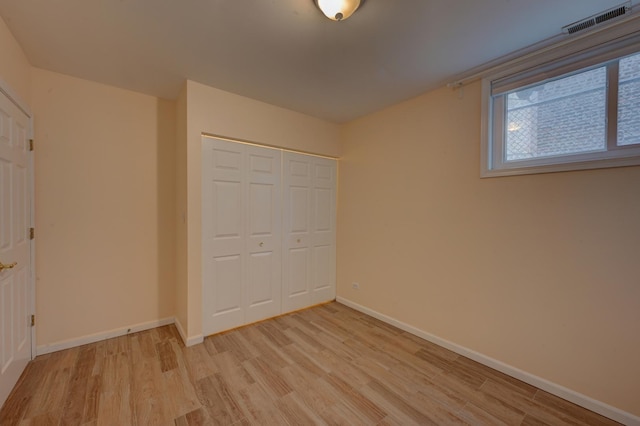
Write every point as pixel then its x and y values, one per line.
pixel 325 365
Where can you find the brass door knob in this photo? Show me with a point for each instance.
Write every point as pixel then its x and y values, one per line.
pixel 9 266
pixel 261 244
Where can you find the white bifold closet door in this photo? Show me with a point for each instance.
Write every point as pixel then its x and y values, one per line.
pixel 241 231
pixel 268 232
pixel 309 246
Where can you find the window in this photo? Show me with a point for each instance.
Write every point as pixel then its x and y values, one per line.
pixel 629 101
pixel 578 111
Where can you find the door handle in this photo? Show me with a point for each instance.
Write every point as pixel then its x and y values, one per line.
pixel 9 266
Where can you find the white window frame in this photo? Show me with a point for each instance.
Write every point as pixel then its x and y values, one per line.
pixel 604 47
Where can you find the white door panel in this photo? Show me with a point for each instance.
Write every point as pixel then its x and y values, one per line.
pixel 260 279
pixel 227 233
pixel 222 172
pixel 298 274
pixel 309 241
pixel 324 230
pixel 241 234
pixel 223 259
pixel 223 289
pixel 300 210
pixel 263 286
pixel 297 219
pixel 228 272
pixel 324 224
pixel 5 205
pixel 299 169
pixel 15 290
pixel 324 275
pixel 264 241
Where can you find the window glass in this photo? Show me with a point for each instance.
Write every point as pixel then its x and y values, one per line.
pixel 629 101
pixel 559 117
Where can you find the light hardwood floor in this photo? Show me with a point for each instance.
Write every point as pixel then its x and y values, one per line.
pixel 325 365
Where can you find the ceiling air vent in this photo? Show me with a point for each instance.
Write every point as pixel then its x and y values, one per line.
pixel 597 19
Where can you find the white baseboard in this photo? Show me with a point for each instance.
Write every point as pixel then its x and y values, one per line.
pixel 188 341
pixel 96 337
pixel 553 388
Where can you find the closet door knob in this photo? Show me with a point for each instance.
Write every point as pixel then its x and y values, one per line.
pixel 261 244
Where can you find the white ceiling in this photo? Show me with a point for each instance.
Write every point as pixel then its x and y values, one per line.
pixel 284 52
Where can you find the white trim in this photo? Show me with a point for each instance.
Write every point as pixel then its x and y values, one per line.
pixel 263 145
pixel 97 337
pixel 32 243
pixel 15 98
pixel 553 388
pixel 486 123
pixel 188 341
pixel 194 340
pixel 181 332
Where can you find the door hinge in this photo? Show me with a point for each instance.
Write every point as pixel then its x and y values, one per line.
pixel 32 233
pixel 30 144
pixel 33 320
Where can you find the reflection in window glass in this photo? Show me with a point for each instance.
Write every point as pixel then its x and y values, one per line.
pixel 560 117
pixel 629 101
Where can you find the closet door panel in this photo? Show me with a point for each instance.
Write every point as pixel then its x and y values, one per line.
pixel 224 291
pixel 264 235
pixel 223 235
pixel 223 195
pixel 298 273
pixel 297 219
pixel 299 211
pixel 226 233
pixel 228 270
pixel 323 286
pixel 323 278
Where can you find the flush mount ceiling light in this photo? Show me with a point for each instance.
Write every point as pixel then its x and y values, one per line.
pixel 338 10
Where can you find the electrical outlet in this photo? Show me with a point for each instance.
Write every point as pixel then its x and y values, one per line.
pixel 356 286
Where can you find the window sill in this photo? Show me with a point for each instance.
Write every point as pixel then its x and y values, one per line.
pixel 561 167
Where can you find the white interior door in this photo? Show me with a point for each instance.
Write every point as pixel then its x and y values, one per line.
pixel 15 294
pixel 241 220
pixel 309 246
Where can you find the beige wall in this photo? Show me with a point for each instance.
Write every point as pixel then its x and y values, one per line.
pixel 105 207
pixel 220 113
pixel 539 272
pixel 15 69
